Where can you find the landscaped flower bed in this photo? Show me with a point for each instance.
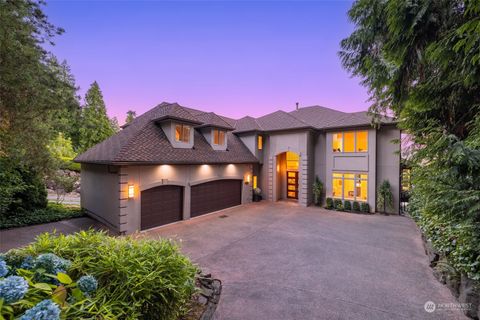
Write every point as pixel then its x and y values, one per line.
pixel 347 206
pixel 92 275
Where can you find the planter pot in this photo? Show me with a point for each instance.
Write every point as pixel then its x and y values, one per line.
pixel 257 197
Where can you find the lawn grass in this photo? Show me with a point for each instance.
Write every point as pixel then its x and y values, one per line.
pixel 53 212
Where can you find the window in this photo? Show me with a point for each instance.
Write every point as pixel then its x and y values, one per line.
pixel 350 141
pixel 254 182
pixel 182 133
pixel 337 142
pixel 260 142
pixel 362 141
pixel 292 161
pixel 350 186
pixel 218 137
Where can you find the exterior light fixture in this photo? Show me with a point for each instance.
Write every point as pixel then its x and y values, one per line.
pixel 247 179
pixel 131 191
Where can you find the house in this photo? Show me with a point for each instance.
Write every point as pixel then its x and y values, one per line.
pixel 173 163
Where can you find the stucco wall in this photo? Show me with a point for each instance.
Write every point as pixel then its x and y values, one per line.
pixel 352 162
pixel 277 143
pixel 100 193
pixel 320 159
pixel 145 177
pixel 388 162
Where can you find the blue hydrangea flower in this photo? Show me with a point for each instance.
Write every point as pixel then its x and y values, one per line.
pixel 28 263
pixel 52 263
pixel 13 288
pixel 45 310
pixel 87 284
pixel 3 268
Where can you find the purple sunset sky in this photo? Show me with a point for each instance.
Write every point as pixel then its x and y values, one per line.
pixel 233 58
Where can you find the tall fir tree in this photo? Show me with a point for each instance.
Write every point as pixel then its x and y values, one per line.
pixel 95 124
pixel 130 116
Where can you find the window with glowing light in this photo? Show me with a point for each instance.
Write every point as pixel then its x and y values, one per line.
pixel 218 137
pixel 182 133
pixel 254 182
pixel 350 186
pixel 292 161
pixel 260 142
pixel 350 141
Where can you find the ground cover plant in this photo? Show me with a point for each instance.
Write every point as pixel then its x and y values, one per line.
pixel 53 212
pixel 137 278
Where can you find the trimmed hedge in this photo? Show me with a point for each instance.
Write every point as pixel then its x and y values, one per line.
pixel 338 204
pixel 365 207
pixel 53 212
pixel 356 206
pixel 329 202
pixel 347 205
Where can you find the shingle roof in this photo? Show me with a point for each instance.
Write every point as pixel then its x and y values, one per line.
pixel 143 141
pixel 280 120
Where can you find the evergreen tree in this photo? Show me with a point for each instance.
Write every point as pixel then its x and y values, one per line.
pixel 95 124
pixel 130 116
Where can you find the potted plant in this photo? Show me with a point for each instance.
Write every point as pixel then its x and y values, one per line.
pixel 317 191
pixel 257 195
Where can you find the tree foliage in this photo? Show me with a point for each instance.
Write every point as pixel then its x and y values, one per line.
pixel 95 124
pixel 385 196
pixel 420 61
pixel 130 116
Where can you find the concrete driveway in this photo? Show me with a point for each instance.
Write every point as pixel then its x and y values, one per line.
pixel 282 261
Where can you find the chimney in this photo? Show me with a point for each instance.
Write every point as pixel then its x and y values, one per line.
pixel 297 105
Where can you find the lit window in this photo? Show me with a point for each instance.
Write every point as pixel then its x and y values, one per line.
pixel 218 137
pixel 349 142
pixel 182 133
pixel 350 186
pixel 337 142
pixel 292 161
pixel 254 182
pixel 362 141
pixel 260 142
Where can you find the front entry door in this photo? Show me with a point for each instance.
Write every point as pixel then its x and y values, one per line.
pixel 292 184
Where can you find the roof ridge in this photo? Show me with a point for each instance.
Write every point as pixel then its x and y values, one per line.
pixel 291 115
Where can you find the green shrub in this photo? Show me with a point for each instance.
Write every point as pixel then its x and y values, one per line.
pixel 347 205
pixel 21 188
pixel 137 278
pixel 365 207
pixel 356 206
pixel 338 204
pixel 329 202
pixel 53 212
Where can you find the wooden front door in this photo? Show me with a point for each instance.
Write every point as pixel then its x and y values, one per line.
pixel 292 184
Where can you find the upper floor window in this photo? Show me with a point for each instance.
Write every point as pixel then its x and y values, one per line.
pixel 182 133
pixel 260 142
pixel 218 137
pixel 350 141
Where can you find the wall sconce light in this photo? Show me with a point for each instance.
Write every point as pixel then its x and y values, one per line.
pixel 131 191
pixel 247 179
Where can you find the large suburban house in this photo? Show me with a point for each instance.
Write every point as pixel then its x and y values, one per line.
pixel 174 163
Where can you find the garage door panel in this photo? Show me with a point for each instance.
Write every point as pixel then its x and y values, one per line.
pixel 161 205
pixel 215 195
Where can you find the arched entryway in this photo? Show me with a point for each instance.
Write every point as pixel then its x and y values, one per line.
pixel 287 176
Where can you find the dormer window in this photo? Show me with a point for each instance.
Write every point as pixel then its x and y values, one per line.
pixel 182 133
pixel 218 137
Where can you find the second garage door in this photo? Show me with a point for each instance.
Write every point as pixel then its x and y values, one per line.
pixel 215 195
pixel 161 205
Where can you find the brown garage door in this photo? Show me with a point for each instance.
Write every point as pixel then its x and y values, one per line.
pixel 215 195
pixel 161 205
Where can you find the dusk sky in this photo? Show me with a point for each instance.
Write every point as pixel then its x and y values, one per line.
pixel 233 58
